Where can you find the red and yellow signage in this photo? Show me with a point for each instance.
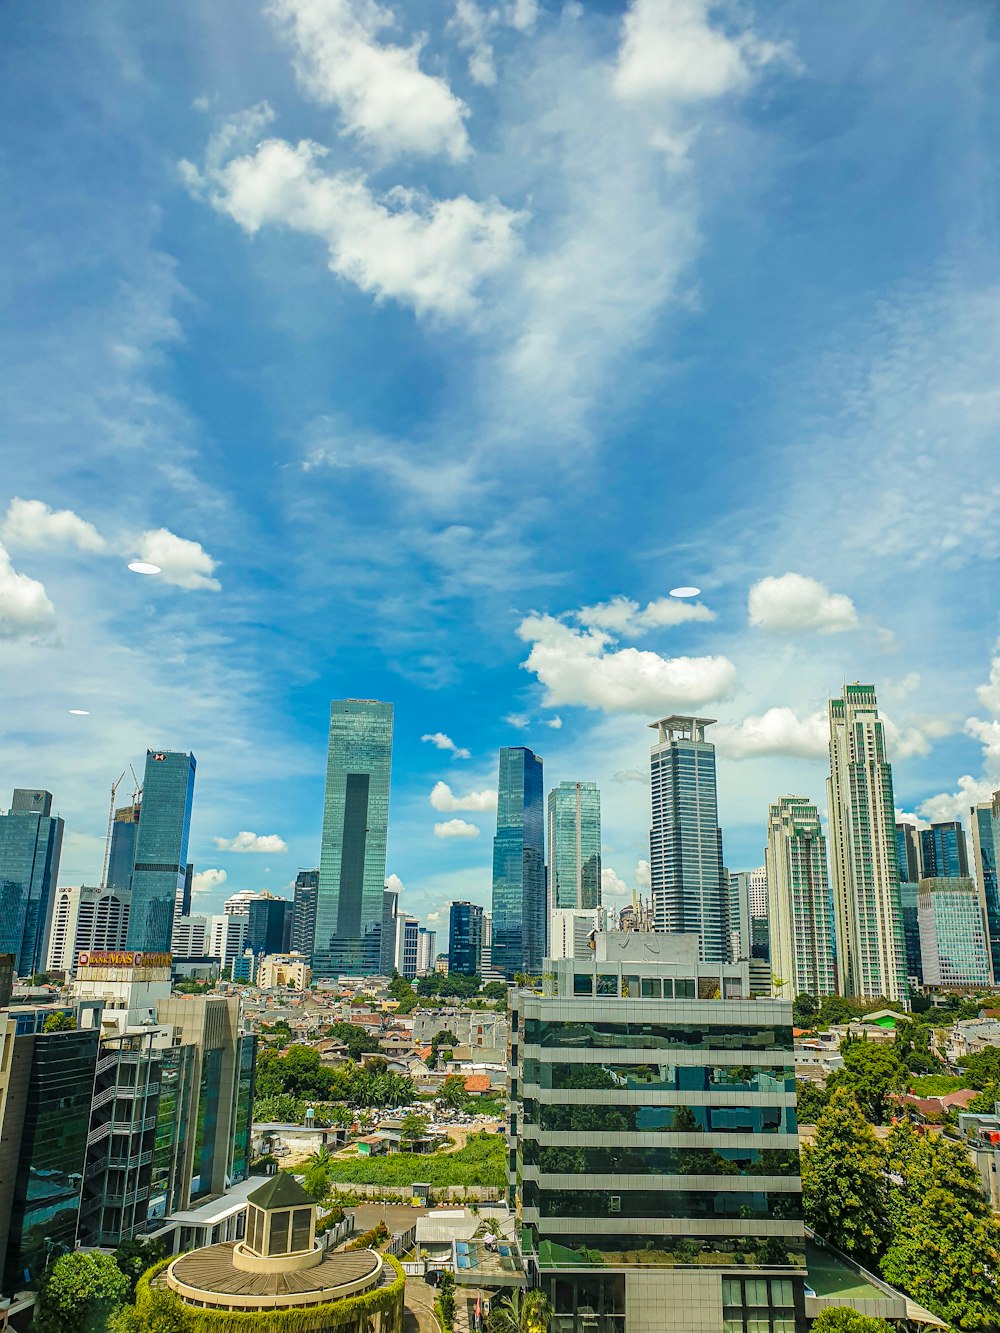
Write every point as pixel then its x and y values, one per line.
pixel 122 958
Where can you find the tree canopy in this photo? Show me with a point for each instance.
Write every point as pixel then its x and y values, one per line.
pixel 79 1293
pixel 843 1181
pixel 842 1319
pixel 872 1072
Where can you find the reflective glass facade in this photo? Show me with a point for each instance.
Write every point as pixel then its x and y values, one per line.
pixel 30 847
pixel 121 858
pixel 161 848
pixel 355 829
pixel 685 842
pixel 304 912
pixel 986 847
pixel 943 851
pixel 269 924
pixel 465 938
pixel 953 944
pixel 519 865
pixel 574 844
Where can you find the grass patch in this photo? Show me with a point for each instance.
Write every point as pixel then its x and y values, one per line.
pixel 936 1085
pixel 483 1161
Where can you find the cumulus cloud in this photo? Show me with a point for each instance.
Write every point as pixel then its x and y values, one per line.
pixel 579 667
pixel 555 722
pixel 793 602
pixel 915 735
pixel 455 828
pixel 956 805
pixel 183 563
pixel 442 742
pixel 623 616
pixel 433 916
pixel 611 882
pixel 904 817
pixel 25 610
pixel 642 875
pixel 989 694
pixel 31 523
pixel 384 98
pixel 670 52
pixel 430 254
pixel 630 775
pixel 777 731
pixel 252 842
pixel 394 883
pixel 519 720
pixel 475 27
pixel 443 798
pixel 204 881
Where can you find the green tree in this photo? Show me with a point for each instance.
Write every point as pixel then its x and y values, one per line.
pixel 810 1102
pixel 985 1102
pixel 161 1312
pixel 452 1092
pixel 79 1293
pixel 321 1157
pixel 443 1037
pixel 316 1182
pixel 413 1127
pixel 804 1010
pixel 59 1023
pixel 355 1038
pixel 945 1245
pixel 842 1319
pixel 133 1257
pixel 872 1073
pixel 843 1181
pixel 519 1312
pixel 982 1068
pixel 495 990
pixel 446 1301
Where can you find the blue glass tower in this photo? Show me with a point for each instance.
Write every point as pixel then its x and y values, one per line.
pixel 685 842
pixel 355 830
pixel 161 848
pixel 465 938
pixel 574 841
pixel 121 859
pixel 943 853
pixel 30 846
pixel 986 848
pixel 519 865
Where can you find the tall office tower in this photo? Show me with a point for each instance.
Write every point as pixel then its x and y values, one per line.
pixel 269 924
pixel 189 937
pixel 519 865
pixel 426 950
pixel 387 932
pixel 986 852
pixel 908 869
pixel 407 943
pixel 30 847
pixel 121 859
pixel 161 848
pixel 465 938
pixel 227 937
pixel 182 903
pixel 574 843
pixel 85 919
pixel 908 853
pixel 757 890
pixel 953 942
pixel 355 829
pixel 871 958
pixel 799 901
pixel 685 841
pixel 304 912
pixel 740 916
pixel 943 851
pixel 653 1142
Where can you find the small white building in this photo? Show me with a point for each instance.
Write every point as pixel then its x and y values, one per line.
pixel 284 971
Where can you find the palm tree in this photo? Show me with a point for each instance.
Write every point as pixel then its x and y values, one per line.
pixel 321 1157
pixel 519 1313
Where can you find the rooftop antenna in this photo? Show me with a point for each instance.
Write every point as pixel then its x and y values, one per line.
pixel 107 840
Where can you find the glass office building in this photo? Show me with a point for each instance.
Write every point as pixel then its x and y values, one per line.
pixel 269 924
pixel 943 851
pixel 799 906
pixel 685 842
pixel 985 819
pixel 355 830
pixel 30 847
pixel 954 949
pixel 519 865
pixel 465 938
pixel 304 912
pixel 574 843
pixel 121 858
pixel 161 848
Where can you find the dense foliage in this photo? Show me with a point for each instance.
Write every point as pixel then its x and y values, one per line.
pixel 300 1076
pixel 442 986
pixel 519 1312
pixel 843 1181
pixel 79 1293
pixel 842 1319
pixel 483 1161
pixel 872 1073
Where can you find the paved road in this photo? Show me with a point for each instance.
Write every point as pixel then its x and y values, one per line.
pixel 419 1316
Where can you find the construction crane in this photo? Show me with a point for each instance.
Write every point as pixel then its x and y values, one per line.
pixel 107 840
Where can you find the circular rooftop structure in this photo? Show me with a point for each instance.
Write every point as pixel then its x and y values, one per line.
pixel 216 1276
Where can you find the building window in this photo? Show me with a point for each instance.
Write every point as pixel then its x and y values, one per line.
pixel 583 983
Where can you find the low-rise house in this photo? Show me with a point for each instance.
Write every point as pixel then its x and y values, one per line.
pixel 981 1133
pixel 934 1110
pixel 371 1145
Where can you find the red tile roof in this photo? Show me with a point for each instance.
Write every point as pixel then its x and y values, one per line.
pixel 477 1083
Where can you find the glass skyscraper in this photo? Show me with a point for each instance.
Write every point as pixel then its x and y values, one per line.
pixel 953 945
pixel 519 865
pixel 465 938
pixel 304 911
pixel 121 860
pixel 574 842
pixel 685 842
pixel 943 853
pixel 30 846
pixel 355 829
pixel 799 916
pixel 161 848
pixel 986 850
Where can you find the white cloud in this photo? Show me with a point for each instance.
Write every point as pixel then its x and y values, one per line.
pixel 183 563
pixel 31 523
pixel 916 734
pixel 455 828
pixel 643 879
pixel 443 798
pixel 25 610
pixel 204 881
pixel 383 95
pixel 475 27
pixel 623 616
pixel 669 51
pixel 956 805
pixel 521 721
pixel 252 842
pixel 431 254
pixel 555 723
pixel 904 817
pixel 576 667
pixel 630 775
pixel 611 882
pixel 442 742
pixel 989 694
pixel 793 602
pixel 988 734
pixel 777 731
pixel 433 916
pixel 394 883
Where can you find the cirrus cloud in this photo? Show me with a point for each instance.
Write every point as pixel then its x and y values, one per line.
pixel 252 842
pixel 455 828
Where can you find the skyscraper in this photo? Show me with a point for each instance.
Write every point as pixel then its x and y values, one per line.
pixel 426 950
pixel 161 848
pixel 986 851
pixel 121 860
pixel 801 932
pixel 953 945
pixel 685 842
pixel 30 847
pixel 355 829
pixel 519 865
pixel 574 842
pixel 908 869
pixel 387 932
pixel 304 912
pixel 871 959
pixel 465 938
pixel 269 924
pixel 943 852
pixel 907 853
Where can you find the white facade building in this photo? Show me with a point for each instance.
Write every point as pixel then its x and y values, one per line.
pixel 227 935
pixel 84 919
pixel 572 930
pixel 426 949
pixel 189 938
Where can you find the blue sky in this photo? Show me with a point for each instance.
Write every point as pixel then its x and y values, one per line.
pixel 427 347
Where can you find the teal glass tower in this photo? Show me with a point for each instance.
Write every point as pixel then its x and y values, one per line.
pixel 574 841
pixel 986 848
pixel 519 865
pixel 161 848
pixel 355 829
pixel 30 847
pixel 685 842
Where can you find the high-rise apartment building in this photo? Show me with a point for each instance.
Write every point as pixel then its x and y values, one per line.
pixel 799 916
pixel 189 937
pixel 355 830
pixel 304 912
pixel 572 930
pixel 685 842
pixel 943 851
pixel 519 865
pixel 985 818
pixel 161 848
pixel 954 949
pixel 121 857
pixel 30 847
pixel 387 932
pixel 465 938
pixel 871 958
pixel 574 846
pixel 227 937
pixel 83 919
pixel 407 945
pixel 426 950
